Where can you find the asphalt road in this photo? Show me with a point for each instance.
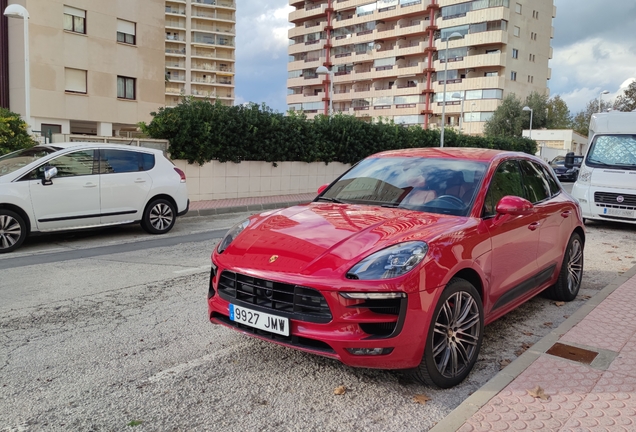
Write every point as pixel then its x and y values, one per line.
pixel 108 331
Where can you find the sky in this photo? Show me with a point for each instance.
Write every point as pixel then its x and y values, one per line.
pixel 594 49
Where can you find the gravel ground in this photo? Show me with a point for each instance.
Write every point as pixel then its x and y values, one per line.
pixel 145 358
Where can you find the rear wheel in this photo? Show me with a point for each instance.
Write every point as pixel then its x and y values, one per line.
pixel 567 286
pixel 12 231
pixel 454 337
pixel 159 216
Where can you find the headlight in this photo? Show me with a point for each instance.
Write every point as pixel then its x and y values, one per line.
pixel 231 235
pixel 584 175
pixel 391 262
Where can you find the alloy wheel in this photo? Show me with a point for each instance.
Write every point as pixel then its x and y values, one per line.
pixel 575 265
pixel 456 334
pixel 10 231
pixel 161 216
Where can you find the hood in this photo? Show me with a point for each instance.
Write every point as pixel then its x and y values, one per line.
pixel 615 178
pixel 320 237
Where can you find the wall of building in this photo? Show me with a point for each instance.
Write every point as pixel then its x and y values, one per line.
pixel 221 180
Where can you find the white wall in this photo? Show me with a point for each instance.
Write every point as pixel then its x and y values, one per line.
pixel 222 180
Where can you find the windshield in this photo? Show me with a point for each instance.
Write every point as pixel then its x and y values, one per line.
pixel 446 186
pixel 14 161
pixel 618 151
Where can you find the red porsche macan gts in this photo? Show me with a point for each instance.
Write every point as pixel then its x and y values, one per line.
pixel 400 262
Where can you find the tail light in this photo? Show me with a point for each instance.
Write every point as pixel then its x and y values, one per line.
pixel 181 174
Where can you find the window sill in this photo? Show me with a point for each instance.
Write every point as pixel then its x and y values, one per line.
pixel 127 44
pixel 126 100
pixel 72 93
pixel 75 33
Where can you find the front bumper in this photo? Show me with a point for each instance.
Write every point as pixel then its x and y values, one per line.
pixel 397 328
pixel 603 211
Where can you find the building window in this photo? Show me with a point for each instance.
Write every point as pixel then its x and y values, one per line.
pixel 75 80
pixel 518 8
pixel 517 31
pixel 515 53
pixel 126 88
pixel 530 79
pixel 513 76
pixel 491 74
pixel 74 20
pixel 535 14
pixel 126 32
pixel 531 58
pixel 533 36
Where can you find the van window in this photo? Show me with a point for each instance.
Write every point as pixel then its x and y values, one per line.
pixel 612 151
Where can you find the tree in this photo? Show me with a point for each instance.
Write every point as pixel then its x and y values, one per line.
pixel 506 120
pixel 559 116
pixel 627 101
pixel 13 132
pixel 539 104
pixel 581 122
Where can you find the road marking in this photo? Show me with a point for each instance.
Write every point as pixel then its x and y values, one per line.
pixel 192 269
pixel 180 368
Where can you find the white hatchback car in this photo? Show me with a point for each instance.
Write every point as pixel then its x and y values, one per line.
pixel 66 186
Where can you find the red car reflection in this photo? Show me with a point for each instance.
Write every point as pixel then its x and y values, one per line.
pixel 401 261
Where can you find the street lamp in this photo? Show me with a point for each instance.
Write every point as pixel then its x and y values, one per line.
pixel 600 97
pixel 322 70
pixel 453 36
pixel 461 116
pixel 17 11
pixel 527 108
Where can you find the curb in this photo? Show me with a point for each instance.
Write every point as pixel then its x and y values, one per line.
pixel 241 209
pixel 472 404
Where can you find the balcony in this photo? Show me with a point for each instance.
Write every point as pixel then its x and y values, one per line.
pixel 471 84
pixel 309 11
pixel 217 3
pixel 175 38
pixel 212 29
pixel 473 61
pixel 176 51
pixel 175 11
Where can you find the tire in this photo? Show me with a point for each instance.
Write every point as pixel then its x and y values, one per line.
pixel 443 345
pixel 13 231
pixel 159 216
pixel 568 284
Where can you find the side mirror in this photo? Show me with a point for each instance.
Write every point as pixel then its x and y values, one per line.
pixel 49 173
pixel 569 160
pixel 514 205
pixel 322 188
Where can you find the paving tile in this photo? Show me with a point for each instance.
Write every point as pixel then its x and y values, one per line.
pixel 625 362
pixel 606 335
pixel 611 405
pixel 513 408
pixel 615 311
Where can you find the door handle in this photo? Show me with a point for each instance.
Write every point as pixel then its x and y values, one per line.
pixel 533 226
pixel 90 185
pixel 140 181
pixel 566 214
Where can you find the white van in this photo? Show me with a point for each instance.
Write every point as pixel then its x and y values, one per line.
pixel 606 186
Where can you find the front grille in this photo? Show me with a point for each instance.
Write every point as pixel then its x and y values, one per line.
pixel 393 308
pixel 288 300
pixel 295 341
pixel 607 199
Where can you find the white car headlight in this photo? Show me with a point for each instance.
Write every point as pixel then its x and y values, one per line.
pixel 584 175
pixel 231 235
pixel 391 262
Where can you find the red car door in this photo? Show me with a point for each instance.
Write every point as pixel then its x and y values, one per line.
pixel 515 240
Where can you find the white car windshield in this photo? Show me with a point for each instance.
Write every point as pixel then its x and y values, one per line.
pixel 613 151
pixel 14 161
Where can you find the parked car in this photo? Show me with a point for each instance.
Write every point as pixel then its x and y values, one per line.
pixel 81 185
pixel 400 262
pixel 563 173
pixel 606 187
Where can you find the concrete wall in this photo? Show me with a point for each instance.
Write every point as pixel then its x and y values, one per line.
pixel 222 180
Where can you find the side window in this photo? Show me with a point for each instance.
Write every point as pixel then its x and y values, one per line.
pixel 123 161
pixel 554 186
pixel 536 185
pixel 505 181
pixel 78 163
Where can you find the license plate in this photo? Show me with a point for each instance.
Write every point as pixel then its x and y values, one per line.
pixel 259 320
pixel 619 212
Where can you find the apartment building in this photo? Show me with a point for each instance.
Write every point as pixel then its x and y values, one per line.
pixel 392 58
pixel 96 67
pixel 200 50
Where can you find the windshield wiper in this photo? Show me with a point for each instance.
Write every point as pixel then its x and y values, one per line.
pixel 333 200
pixel 597 162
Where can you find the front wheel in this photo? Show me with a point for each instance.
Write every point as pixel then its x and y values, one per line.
pixel 12 231
pixel 567 286
pixel 454 337
pixel 159 216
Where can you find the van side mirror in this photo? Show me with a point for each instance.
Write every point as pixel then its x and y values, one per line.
pixel 569 160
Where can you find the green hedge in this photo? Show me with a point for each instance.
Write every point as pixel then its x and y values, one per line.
pixel 200 131
pixel 13 132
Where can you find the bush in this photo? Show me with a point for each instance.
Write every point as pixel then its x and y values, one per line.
pixel 13 132
pixel 200 131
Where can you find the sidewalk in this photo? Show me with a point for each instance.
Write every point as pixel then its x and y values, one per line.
pixel 586 367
